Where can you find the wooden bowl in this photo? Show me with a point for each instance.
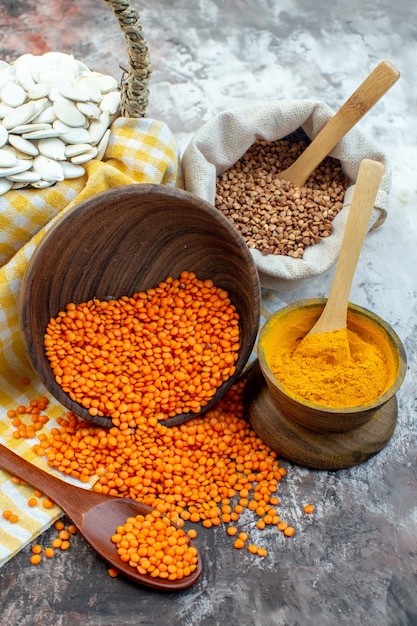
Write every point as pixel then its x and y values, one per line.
pixel 125 240
pixel 316 435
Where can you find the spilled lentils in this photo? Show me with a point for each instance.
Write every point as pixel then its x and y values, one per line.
pixel 55 116
pixel 275 216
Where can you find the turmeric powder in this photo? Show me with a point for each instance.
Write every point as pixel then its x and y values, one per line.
pixel 319 368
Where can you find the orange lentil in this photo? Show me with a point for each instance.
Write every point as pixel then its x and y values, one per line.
pixel 6 514
pixel 239 544
pixel 59 525
pixel 112 572
pixel 72 529
pixel 32 502
pixel 192 533
pixel 36 549
pixel 282 525
pixel 252 548
pixel 289 531
pixel 65 545
pixel 56 543
pixel 157 350
pixel 64 534
pixel 35 559
pixel 49 552
pixel 232 531
pixel 13 518
pixel 48 503
pixel 262 552
pixel 309 508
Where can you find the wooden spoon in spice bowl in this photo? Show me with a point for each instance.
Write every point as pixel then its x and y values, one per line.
pixel 96 516
pixel 379 81
pixel 334 314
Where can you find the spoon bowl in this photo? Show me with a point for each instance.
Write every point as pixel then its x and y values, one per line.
pixel 96 516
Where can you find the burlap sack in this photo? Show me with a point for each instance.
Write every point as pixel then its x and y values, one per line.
pixel 219 143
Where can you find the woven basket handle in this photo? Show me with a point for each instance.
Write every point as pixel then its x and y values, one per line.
pixel 134 86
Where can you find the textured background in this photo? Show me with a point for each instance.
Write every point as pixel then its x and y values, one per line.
pixel 353 561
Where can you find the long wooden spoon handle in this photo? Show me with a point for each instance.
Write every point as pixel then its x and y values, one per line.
pixel 333 316
pixel 379 81
pixel 53 487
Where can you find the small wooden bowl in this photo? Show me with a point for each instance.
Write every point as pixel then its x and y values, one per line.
pixel 316 435
pixel 125 240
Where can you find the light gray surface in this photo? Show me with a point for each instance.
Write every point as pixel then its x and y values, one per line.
pixel 354 561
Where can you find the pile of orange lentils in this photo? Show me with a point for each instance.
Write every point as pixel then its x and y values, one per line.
pixel 209 470
pixel 160 353
pixel 154 546
pixel 141 360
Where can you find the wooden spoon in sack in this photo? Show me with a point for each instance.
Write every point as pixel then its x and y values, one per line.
pixel 379 81
pixel 334 314
pixel 96 516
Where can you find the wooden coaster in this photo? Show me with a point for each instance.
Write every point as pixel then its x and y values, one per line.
pixel 323 451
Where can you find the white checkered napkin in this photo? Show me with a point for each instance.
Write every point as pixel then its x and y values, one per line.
pixel 139 151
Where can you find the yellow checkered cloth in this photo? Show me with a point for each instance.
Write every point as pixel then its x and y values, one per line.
pixel 139 151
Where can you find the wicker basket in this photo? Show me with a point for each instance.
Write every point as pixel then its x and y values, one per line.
pixel 135 80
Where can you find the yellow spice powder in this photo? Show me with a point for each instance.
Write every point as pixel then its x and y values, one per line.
pixel 344 368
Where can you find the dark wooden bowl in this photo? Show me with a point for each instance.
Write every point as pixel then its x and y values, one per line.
pixel 317 436
pixel 125 240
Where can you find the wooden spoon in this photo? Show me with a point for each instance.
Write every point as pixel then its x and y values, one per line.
pixel 333 316
pixel 379 81
pixel 95 515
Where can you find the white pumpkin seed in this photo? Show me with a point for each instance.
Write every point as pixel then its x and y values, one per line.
pixel 22 165
pixel 23 72
pixel 3 135
pixel 39 90
pixel 102 146
pixel 4 110
pixel 29 128
pixel 89 109
pixel 53 148
pixel 25 177
pixel 90 87
pixel 18 154
pixel 5 185
pixel 72 93
pixel 98 127
pixel 106 83
pixel 49 169
pixel 20 186
pixel 39 106
pixel 47 116
pixel 68 113
pixel 83 158
pixel 13 95
pixel 111 102
pixel 7 158
pixel 20 115
pixel 76 135
pixel 23 145
pixel 42 184
pixel 76 149
pixel 71 170
pixel 42 134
